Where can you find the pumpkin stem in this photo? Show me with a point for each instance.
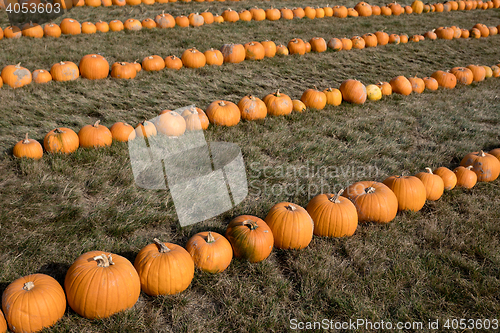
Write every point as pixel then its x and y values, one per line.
pixel 469 167
pixel 28 286
pixel 58 131
pixel 222 103
pixel 251 224
pixel 277 93
pixel 481 153
pixel 210 238
pixel 290 207
pixel 162 247
pixel 315 88
pixel 18 65
pixel 335 198
pixel 429 170
pixel 26 140
pixel 96 124
pixel 370 189
pixel 104 261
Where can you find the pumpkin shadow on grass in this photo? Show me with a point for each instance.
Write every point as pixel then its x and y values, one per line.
pixel 56 270
pixel 129 255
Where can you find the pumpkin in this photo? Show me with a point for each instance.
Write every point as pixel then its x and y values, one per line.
pixel 192 58
pixel 218 19
pixel 95 136
pixel 116 25
pixel 297 46
pixel 273 14
pixel 385 88
pixel 88 28
pixel 430 83
pixel 282 50
pixel 478 73
pixel 485 32
pixel 373 92
pixel 374 201
pixel 33 30
pixel 417 84
pixel 333 215
pixel 394 39
pixel 70 27
pixel 230 15
pixel 291 225
pixel 434 184
pixel 314 99
pixel 318 44
pixel 278 104
pixel 475 33
pixel 3 323
pixel 145 129
pixel 488 71
pixel 310 12
pixel 445 79
pixel 164 268
pixel 52 30
pixel 16 76
pixel 94 67
pixel 448 177
pixel 465 176
pixel 269 48
pixel 382 37
pixel 252 108
pixel 102 26
pixel 258 14
pixel 495 152
pixel 409 190
pixel 245 15
pixel 196 119
pixel 353 91
pixel 96 276
pixel 233 53
pixel 12 32
pixel 333 96
pixel 148 23
pixel 214 57
pixel 93 3
pixel 61 140
pixel 33 302
pixel 370 40
pixel 250 237
pixel 320 12
pixel 28 148
pixel 153 63
pixel 403 38
pixel 287 14
pixel 298 105
pixel 363 9
pixel 376 10
pixel 339 11
pixel 445 33
pixel 463 75
pixel 170 123
pixel 254 51
pixel 123 70
pixel 358 42
pixel 41 76
pixel 211 252
pixel 223 113
pixel 417 6
pixel 351 12
pixel 401 85
pixel 165 21
pixel 122 132
pixel 346 44
pixel 335 44
pixel 65 71
pixel 172 62
pixel 196 20
pixel 486 166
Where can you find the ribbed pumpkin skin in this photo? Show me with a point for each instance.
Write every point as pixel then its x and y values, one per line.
pixel 333 216
pixel 314 99
pixel 434 185
pixel 164 273
pixel 3 323
pixel 250 237
pixel 95 136
pixel 401 85
pixel 278 104
pixel 465 177
pixel 233 53
pixel 252 108
pixel 448 177
pixel 61 140
pixel 94 67
pixel 291 225
pixel 28 148
pixel 192 123
pixel 211 257
pixel 409 190
pixel 374 201
pixel 495 152
pixel 122 132
pixel 32 310
pixel 223 113
pixel 88 284
pixel 353 91
pixel 486 166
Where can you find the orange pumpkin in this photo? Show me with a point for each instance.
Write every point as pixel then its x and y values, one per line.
pixel 434 184
pixel 61 140
pixel 51 30
pixel 211 252
pixel 298 106
pixel 153 63
pixel 28 148
pixel 445 79
pixel 385 88
pixel 486 166
pixel 116 25
pixel 314 99
pixel 252 108
pixel 70 27
pixel 145 129
pixel 409 190
pixel 448 177
pixel 353 91
pixel 335 44
pixel 278 104
pixel 417 84
pixel 93 136
pixel 102 26
pixel 463 75
pixel 430 83
pixel 94 67
pixel 196 119
pixel 41 76
pixel 478 73
pixel 401 85
pixel 122 132
pixel 233 53
pixel 192 58
pixel 65 71
pixel 254 51
pixel 123 70
pixel 223 113
pixel 172 62
pixel 269 48
pixel 170 123
pixel 16 76
pixel 333 96
pixel 318 44
pixel 214 57
pixel 297 46
pixel 33 30
pixel 465 177
pixel 291 225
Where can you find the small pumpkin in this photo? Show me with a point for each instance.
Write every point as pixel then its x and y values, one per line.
pixel 214 57
pixel 70 27
pixel 61 140
pixel 465 177
pixel 245 15
pixel 385 88
pixel 132 24
pixel 382 37
pixel 116 25
pixel 463 75
pixel 394 39
pixel 192 58
pixel 478 73
pixel 314 99
pixel 93 136
pixel 33 30
pixel 102 26
pixel 94 67
pixel 122 132
pixel 230 15
pixel 145 129
pixel 12 32
pixel 254 51
pixel 250 237
pixel 358 43
pixel 223 113
pixel 333 215
pixel 33 302
pixel 97 275
pixel 273 14
pixel 409 190
pixel 278 104
pixel 258 14
pixel 41 76
pixel 298 105
pixel 233 53
pixel 353 91
pixel 370 40
pixel 417 84
pixel 445 79
pixel 196 119
pixel 172 62
pixel 291 225
pixel 88 28
pixel 28 148
pixel 65 71
pixel 269 48
pixel 252 108
pixel 448 177
pixel 123 70
pixel 363 9
pixel 211 252
pixel 401 85
pixel 318 44
pixel 165 21
pixel 16 76
pixel 297 46
pixel 335 44
pixel 170 123
pixel 333 96
pixel 430 83
pixel 52 30
pixel 196 20
pixel 373 92
pixel 164 268
pixel 486 166
pixel 282 50
pixel 153 63
pixel 148 23
pixel 346 44
pixel 434 184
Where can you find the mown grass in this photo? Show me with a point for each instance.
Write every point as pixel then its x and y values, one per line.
pixel 441 262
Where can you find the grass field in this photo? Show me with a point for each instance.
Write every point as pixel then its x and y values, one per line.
pixel 440 263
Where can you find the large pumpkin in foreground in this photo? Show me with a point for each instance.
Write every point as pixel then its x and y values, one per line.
pixel 96 276
pixel 164 268
pixel 486 166
pixel 291 225
pixel 250 237
pixel 32 303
